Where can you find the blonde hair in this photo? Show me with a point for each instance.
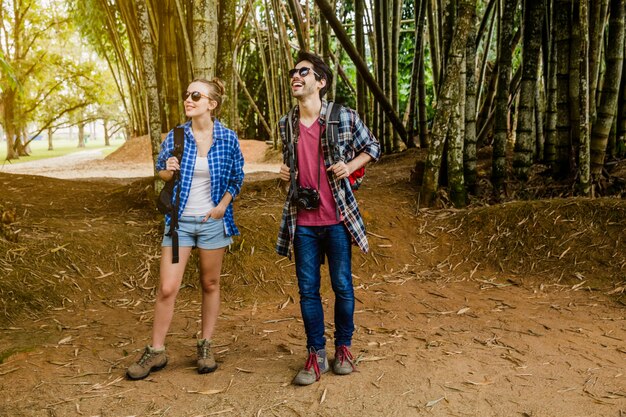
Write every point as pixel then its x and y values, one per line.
pixel 217 91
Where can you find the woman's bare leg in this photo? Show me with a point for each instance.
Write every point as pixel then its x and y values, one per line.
pixel 171 276
pixel 210 269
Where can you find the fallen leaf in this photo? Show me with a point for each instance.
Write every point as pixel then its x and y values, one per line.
pixel 323 395
pixel 433 402
pixel 210 392
pixel 65 340
pixel 485 382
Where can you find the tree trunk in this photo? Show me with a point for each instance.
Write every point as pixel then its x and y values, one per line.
pixel 325 43
pixel 597 25
pixel 8 118
pixel 447 15
pixel 498 170
pixel 268 81
pixel 272 69
pixel 379 65
pixel 562 23
pixel 485 55
pixel 574 81
pixel 456 136
pixel 469 146
pixel 418 58
pixel 608 101
pixel 531 52
pixel 584 162
pixel 484 116
pixel 398 145
pixel 225 54
pixel 50 144
pixel 296 12
pixel 150 81
pixel 107 136
pixel 170 78
pixel 359 35
pixel 423 121
pixel 621 124
pixel 447 101
pixel 539 123
pixel 81 135
pixel 433 41
pixel 549 155
pixel 205 39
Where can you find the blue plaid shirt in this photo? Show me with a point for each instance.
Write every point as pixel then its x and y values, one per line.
pixel 354 138
pixel 225 166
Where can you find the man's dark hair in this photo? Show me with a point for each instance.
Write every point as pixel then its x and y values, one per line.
pixel 319 66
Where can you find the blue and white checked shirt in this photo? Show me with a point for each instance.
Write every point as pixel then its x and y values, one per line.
pixel 354 138
pixel 225 166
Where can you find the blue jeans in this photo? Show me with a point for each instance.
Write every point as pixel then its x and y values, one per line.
pixel 311 243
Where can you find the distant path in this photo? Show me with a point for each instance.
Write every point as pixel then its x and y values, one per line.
pixel 52 163
pixel 92 164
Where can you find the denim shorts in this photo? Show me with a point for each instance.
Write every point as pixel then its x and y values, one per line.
pixel 192 232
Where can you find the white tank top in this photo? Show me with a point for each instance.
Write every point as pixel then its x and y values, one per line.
pixel 199 202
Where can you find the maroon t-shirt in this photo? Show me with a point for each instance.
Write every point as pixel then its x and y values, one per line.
pixel 310 162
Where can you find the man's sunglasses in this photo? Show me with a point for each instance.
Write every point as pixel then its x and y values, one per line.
pixel 303 72
pixel 195 95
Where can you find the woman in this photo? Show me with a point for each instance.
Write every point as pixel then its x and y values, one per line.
pixel 211 174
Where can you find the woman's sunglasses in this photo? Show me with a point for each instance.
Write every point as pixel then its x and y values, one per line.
pixel 195 95
pixel 303 72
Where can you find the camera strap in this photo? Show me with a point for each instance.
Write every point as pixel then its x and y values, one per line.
pixel 291 150
pixel 319 153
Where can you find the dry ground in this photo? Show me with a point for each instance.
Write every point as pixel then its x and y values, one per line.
pixel 510 310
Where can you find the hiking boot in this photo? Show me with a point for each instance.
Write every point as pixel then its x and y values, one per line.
pixel 206 361
pixel 316 364
pixel 344 362
pixel 151 360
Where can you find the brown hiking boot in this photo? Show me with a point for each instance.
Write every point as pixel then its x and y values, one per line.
pixel 206 361
pixel 344 362
pixel 316 364
pixel 151 360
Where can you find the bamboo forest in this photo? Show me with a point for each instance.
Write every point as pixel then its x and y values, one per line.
pixel 413 207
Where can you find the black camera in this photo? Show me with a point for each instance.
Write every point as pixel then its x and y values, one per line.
pixel 306 198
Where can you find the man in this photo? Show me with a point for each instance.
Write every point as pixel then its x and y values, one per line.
pixel 321 217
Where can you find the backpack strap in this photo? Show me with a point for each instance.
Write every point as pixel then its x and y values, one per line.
pixel 333 111
pixel 179 142
pixel 179 147
pixel 333 119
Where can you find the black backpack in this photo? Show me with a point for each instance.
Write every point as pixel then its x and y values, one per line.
pixel 164 201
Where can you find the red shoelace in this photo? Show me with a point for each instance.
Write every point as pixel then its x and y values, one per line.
pixel 343 354
pixel 311 362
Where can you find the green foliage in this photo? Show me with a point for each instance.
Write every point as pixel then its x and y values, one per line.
pixel 251 72
pixel 62 80
pixel 7 73
pixel 344 94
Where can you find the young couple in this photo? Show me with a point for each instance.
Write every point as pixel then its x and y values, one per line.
pixel 211 175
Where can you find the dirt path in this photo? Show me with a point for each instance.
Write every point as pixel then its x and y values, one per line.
pixel 93 164
pixel 424 346
pixel 436 335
